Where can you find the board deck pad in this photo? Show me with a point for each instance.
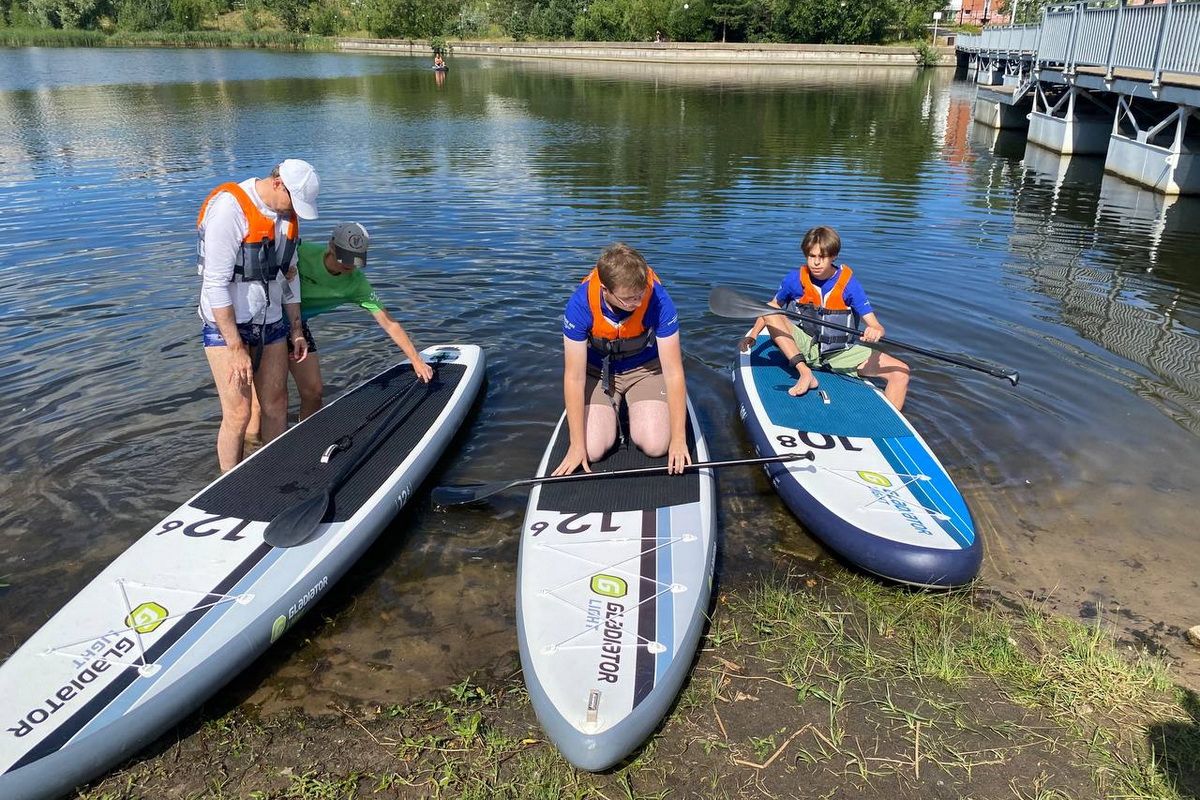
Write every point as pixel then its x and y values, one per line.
pixel 293 471
pixel 614 578
pixel 632 493
pixel 874 494
pixel 200 595
pixel 855 409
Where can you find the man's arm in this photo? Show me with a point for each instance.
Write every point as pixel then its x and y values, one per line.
pixel 224 229
pixel 874 330
pixel 670 355
pixel 398 335
pixel 574 379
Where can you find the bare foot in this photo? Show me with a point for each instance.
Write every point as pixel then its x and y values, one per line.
pixel 807 381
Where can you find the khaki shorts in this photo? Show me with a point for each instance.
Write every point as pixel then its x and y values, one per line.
pixel 847 361
pixel 643 382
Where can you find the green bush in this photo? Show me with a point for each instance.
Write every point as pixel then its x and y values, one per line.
pixel 324 20
pixel 927 54
pixel 604 21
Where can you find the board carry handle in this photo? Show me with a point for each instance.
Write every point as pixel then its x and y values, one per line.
pixel 726 302
pixel 444 496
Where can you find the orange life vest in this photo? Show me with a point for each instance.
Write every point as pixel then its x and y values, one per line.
pixel 625 338
pixel 831 308
pixel 259 258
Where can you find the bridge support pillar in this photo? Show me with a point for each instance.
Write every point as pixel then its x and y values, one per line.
pixel 996 108
pixel 989 71
pixel 1070 121
pixel 1152 147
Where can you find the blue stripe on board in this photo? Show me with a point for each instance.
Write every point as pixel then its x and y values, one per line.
pixel 666 602
pixel 907 456
pixel 143 684
pixel 941 490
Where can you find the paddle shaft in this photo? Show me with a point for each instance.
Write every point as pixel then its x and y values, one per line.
pixel 575 476
pixel 295 525
pixel 726 302
pixel 393 420
pixel 470 494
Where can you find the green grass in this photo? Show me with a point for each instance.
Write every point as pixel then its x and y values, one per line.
pixel 839 685
pixel 50 37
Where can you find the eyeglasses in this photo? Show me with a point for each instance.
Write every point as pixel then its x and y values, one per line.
pixel 627 300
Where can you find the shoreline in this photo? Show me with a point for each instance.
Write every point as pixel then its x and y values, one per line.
pixel 833 682
pixel 692 53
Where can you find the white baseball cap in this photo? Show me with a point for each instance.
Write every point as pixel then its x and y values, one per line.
pixel 302 184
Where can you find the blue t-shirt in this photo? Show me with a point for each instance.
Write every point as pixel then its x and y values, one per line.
pixel 791 289
pixel 661 316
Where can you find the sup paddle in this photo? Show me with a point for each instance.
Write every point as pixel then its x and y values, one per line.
pixel 726 302
pixel 294 526
pixel 469 493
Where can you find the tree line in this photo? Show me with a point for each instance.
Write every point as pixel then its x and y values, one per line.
pixel 815 21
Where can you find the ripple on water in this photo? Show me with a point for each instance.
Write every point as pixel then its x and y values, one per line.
pixel 489 196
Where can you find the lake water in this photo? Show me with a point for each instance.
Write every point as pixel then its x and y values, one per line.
pixel 489 192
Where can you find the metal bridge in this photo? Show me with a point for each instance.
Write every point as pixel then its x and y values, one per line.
pixel 1108 77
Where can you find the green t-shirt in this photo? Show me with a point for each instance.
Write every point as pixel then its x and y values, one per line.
pixel 321 291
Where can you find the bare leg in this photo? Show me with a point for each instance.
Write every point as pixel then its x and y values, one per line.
pixel 235 409
pixel 600 422
pixel 893 371
pixel 781 333
pixel 650 426
pixel 270 384
pixel 307 374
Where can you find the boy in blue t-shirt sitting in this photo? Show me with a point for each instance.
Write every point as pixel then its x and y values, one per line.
pixel 832 294
pixel 621 340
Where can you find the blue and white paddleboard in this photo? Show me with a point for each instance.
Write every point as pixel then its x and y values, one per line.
pixel 613 583
pixel 201 595
pixel 875 494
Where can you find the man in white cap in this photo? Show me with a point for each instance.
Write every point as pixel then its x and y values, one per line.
pixel 330 276
pixel 247 250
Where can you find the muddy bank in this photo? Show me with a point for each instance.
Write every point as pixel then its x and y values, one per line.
pixel 807 685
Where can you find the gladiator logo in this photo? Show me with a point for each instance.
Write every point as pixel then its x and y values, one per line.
pixel 279 626
pixel 609 586
pixel 146 617
pixel 874 478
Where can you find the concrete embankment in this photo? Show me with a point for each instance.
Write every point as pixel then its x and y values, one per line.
pixel 666 52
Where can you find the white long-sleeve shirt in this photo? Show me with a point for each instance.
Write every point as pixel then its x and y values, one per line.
pixel 223 230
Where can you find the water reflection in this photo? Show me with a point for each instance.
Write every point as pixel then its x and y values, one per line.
pixel 489 194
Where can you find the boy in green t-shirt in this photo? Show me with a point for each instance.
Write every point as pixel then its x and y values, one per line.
pixel 330 276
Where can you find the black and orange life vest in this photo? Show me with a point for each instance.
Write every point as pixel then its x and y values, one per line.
pixel 622 339
pixel 831 308
pixel 260 257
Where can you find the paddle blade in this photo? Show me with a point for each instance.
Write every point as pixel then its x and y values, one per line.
pixel 726 302
pixel 443 496
pixel 296 525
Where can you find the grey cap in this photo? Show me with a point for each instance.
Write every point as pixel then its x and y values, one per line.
pixel 350 242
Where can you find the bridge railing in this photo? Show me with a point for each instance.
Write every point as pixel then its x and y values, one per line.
pixel 1154 38
pixel 1007 39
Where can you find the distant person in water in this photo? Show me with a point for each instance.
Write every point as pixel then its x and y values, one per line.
pixel 621 341
pixel 247 236
pixel 829 293
pixel 438 62
pixel 332 275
